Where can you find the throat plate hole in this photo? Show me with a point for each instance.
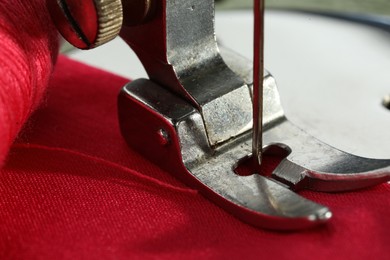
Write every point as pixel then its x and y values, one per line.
pixel 272 157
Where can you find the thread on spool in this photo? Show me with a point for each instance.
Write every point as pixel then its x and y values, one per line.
pixel 28 50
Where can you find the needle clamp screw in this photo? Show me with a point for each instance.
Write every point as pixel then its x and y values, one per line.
pixel 89 23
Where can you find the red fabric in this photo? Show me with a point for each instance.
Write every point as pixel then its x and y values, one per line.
pixel 28 47
pixel 71 188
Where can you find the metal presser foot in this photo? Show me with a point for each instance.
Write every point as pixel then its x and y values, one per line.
pixel 194 116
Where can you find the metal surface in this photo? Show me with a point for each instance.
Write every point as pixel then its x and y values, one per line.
pixel 258 75
pixel 145 107
pixel 258 200
pixel 196 112
pixel 311 164
pixel 178 49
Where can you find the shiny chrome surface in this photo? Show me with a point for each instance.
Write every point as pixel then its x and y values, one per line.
pixel 179 51
pixel 145 107
pixel 197 113
pixel 258 75
pixel 207 139
pixel 311 164
pixel 266 202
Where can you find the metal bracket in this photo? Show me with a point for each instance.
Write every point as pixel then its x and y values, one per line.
pixel 196 113
pixel 194 116
pixel 179 51
pixel 147 109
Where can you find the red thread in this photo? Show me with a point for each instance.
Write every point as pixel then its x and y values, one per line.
pixel 28 50
pixel 116 166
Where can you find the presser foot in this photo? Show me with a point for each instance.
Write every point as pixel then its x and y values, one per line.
pixel 195 116
pixel 170 132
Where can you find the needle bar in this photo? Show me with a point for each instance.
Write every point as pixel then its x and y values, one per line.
pixel 258 78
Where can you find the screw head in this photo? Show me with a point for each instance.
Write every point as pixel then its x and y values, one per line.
pixel 87 24
pixel 163 137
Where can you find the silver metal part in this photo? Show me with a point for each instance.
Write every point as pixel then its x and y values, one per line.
pixel 258 75
pixel 311 164
pixel 197 113
pixel 145 107
pixel 179 51
pixel 255 199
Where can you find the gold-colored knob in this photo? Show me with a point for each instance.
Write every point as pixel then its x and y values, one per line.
pixel 87 24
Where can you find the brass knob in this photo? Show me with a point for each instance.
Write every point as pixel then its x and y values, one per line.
pixel 87 24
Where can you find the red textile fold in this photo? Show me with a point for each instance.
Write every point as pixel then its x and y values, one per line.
pixel 28 48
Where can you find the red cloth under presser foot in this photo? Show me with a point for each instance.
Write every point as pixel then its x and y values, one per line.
pixel 71 188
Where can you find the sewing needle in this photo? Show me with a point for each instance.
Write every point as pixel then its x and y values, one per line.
pixel 258 75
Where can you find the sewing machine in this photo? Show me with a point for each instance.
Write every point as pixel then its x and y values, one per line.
pixel 332 88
